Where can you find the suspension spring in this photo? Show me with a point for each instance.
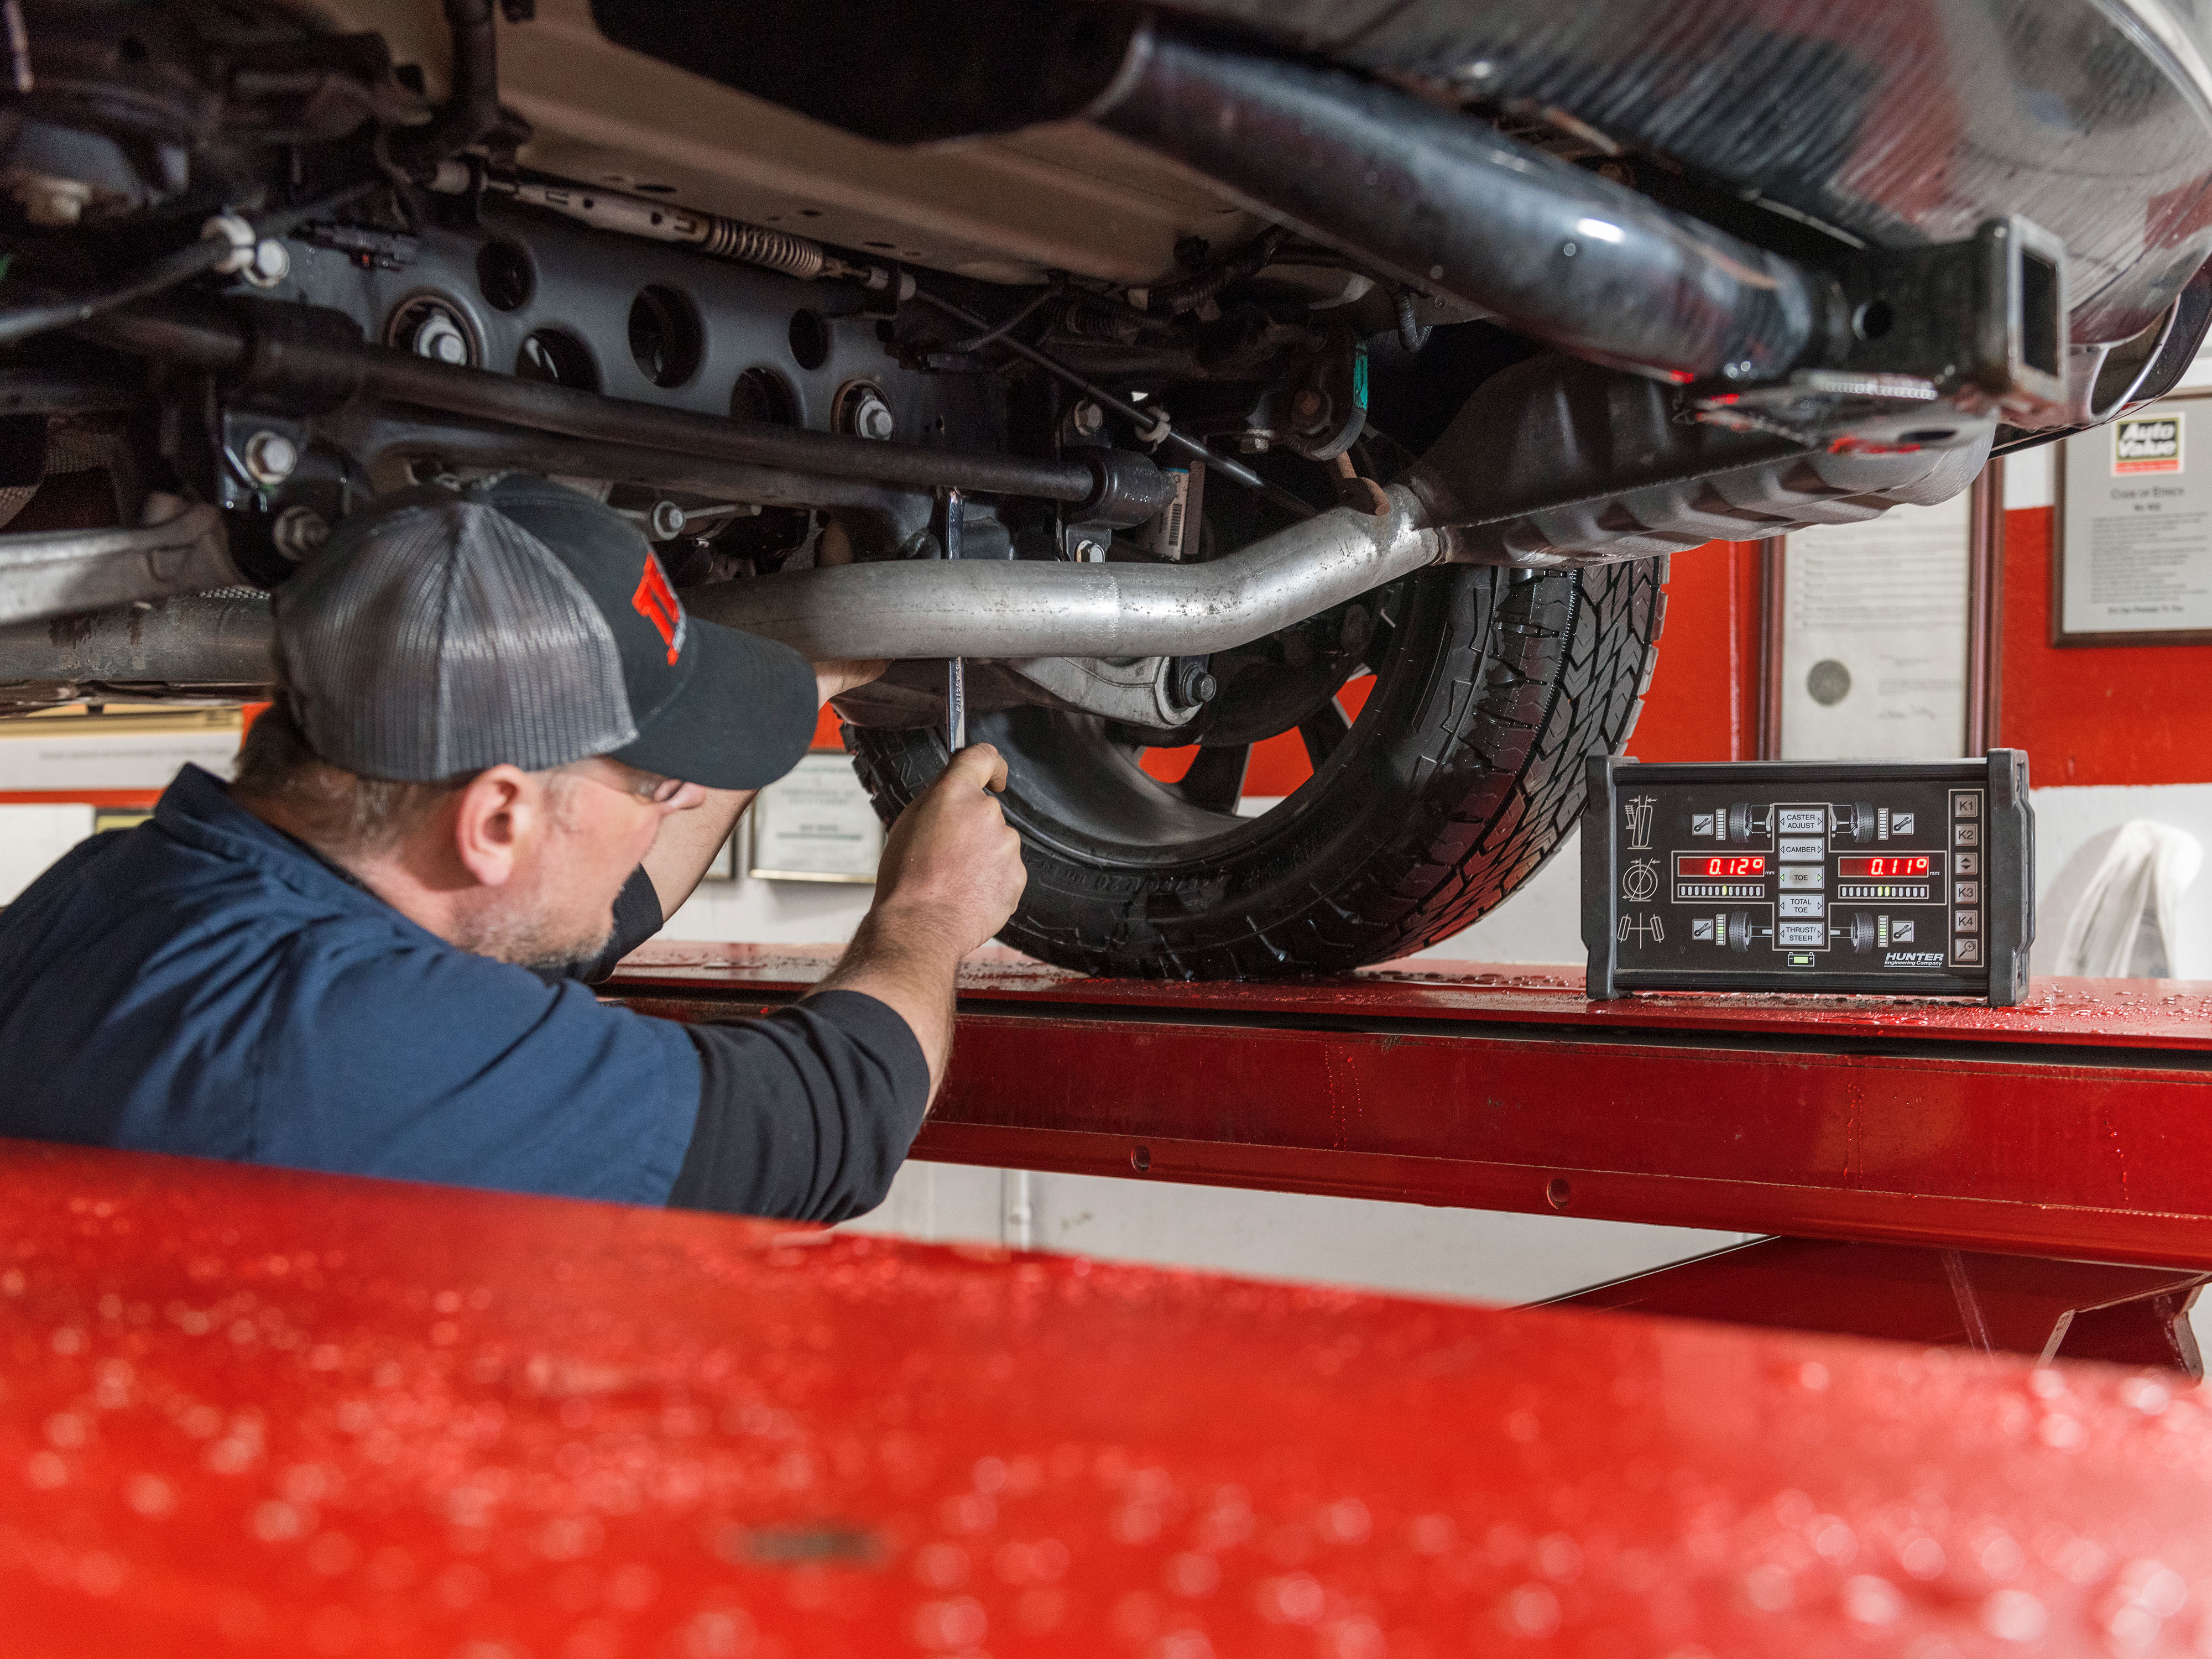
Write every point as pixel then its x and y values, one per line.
pixel 756 245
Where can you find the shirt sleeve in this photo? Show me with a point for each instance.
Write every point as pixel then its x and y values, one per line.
pixel 637 919
pixel 805 1115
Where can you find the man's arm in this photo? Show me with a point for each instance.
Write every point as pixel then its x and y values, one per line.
pixel 688 840
pixel 687 844
pixel 809 1112
pixel 950 874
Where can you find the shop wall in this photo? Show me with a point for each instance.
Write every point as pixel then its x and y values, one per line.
pixel 2132 714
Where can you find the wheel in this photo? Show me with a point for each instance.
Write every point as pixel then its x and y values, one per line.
pixel 1462 774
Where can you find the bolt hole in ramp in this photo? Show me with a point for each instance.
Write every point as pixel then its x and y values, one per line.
pixel 1558 1193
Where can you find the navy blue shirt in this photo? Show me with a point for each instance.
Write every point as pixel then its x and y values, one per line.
pixel 205 984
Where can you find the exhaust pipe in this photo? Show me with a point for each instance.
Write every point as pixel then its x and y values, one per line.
pixel 1443 203
pixel 1028 608
pixel 924 608
pixel 196 640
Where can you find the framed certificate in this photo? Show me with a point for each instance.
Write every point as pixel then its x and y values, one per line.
pixel 1875 637
pixel 2131 557
pixel 816 824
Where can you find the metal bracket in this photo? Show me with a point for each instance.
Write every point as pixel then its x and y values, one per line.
pixel 1140 691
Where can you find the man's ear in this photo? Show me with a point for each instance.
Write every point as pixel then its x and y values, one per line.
pixel 498 820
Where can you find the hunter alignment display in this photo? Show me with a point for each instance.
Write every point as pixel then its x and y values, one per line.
pixel 1899 877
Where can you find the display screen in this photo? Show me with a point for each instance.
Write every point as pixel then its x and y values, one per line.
pixel 1882 868
pixel 1754 864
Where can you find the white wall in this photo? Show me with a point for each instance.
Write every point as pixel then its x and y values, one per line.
pixel 1471 1254
pixel 33 837
pixel 771 912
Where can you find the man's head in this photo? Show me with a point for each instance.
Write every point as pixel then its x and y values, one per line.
pixel 495 696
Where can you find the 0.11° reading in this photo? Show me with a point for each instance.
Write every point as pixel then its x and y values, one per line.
pixel 1881 869
pixel 1698 864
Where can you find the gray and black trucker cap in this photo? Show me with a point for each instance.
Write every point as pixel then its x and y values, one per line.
pixel 442 631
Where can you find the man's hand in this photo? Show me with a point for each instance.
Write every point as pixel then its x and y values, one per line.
pixel 950 874
pixel 952 865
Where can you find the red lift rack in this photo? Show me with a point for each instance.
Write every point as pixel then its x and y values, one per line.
pixel 2075 1128
pixel 253 1411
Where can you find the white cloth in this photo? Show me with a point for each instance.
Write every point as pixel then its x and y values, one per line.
pixel 2127 921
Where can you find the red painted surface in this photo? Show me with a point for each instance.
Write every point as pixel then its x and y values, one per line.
pixel 2091 714
pixel 2073 1126
pixel 257 1411
pixel 1703 700
pixel 1279 764
pixel 2148 1015
pixel 1955 1298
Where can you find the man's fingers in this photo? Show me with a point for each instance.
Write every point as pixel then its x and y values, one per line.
pixel 979 766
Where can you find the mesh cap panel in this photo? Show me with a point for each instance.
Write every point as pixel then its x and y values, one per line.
pixel 446 639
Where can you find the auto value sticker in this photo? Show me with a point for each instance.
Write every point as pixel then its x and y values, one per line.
pixel 2148 443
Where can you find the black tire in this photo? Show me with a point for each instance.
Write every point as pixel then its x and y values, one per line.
pixel 1462 775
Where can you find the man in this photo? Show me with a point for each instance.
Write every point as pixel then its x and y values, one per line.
pixel 501 755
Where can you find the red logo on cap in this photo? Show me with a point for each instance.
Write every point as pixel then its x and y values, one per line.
pixel 656 602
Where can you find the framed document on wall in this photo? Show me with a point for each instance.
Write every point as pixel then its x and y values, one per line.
pixel 816 824
pixel 1876 637
pixel 2131 557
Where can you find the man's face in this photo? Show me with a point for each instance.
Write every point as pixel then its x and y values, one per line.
pixel 599 819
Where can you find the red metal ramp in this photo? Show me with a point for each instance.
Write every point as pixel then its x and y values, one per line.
pixel 258 1412
pixel 2077 1125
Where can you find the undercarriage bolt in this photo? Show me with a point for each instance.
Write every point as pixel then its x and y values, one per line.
pixel 667 522
pixel 1308 407
pixel 1253 443
pixel 1088 419
pixel 1090 552
pixel 53 202
pixel 1194 682
pixel 269 265
pixel 269 458
pixel 298 531
pixel 867 415
pixel 440 337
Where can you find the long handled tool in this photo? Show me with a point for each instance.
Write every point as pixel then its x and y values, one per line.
pixel 956 669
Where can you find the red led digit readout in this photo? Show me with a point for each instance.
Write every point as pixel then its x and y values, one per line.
pixel 1742 864
pixel 1882 869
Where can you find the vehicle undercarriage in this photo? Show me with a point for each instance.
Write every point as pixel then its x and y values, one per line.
pixel 1174 368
